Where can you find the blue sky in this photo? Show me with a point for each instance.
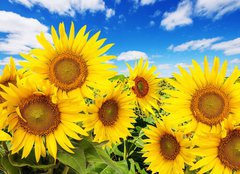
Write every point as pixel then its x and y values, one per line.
pixel 167 32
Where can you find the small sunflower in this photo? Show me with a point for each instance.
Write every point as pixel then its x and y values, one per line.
pixel 144 85
pixel 110 116
pixel 38 114
pixel 9 75
pixel 165 150
pixel 220 151
pixel 204 98
pixel 73 62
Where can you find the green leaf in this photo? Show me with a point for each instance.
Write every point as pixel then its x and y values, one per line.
pixel 94 154
pixel 76 161
pixel 118 77
pixel 8 167
pixel 30 161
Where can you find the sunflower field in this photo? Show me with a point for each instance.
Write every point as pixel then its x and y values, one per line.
pixel 67 111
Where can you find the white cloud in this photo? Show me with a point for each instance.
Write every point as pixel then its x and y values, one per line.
pixel 147 2
pixel 110 13
pixel 132 55
pixel 231 47
pixel 151 23
pixel 180 17
pixel 20 33
pixel 67 7
pixel 216 8
pixel 124 71
pixel 6 60
pixel 164 66
pixel 194 45
pixel 236 60
pixel 183 65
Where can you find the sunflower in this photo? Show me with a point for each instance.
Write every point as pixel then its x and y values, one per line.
pixel 165 150
pixel 220 150
pixel 144 85
pixel 111 115
pixel 9 75
pixel 38 114
pixel 204 99
pixel 73 62
pixel 3 117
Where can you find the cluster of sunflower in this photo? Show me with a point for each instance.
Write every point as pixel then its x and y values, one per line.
pixel 44 105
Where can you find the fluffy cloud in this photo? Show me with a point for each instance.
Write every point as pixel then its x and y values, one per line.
pixel 216 8
pixel 164 66
pixel 109 13
pixel 183 65
pixel 231 47
pixel 20 32
pixel 132 55
pixel 67 7
pixel 180 17
pixel 236 60
pixel 194 45
pixel 147 2
pixel 6 60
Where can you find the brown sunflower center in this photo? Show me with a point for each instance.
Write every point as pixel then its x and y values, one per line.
pixel 169 147
pixel 210 105
pixel 41 116
pixel 108 113
pixel 68 71
pixel 141 87
pixel 229 150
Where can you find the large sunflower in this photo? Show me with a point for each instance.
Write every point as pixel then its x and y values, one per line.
pixel 73 62
pixel 165 150
pixel 144 85
pixel 38 114
pixel 204 98
pixel 110 116
pixel 220 151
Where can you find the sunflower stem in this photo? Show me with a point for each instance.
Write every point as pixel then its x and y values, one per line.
pixel 66 169
pixel 50 171
pixel 124 149
pixel 5 147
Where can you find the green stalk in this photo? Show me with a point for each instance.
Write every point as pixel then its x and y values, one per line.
pixel 66 169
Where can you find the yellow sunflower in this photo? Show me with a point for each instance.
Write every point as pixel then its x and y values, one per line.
pixel 72 62
pixel 9 75
pixel 37 114
pixel 220 151
pixel 111 115
pixel 144 85
pixel 3 117
pixel 165 150
pixel 204 98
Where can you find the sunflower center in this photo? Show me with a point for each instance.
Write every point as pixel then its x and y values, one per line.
pixel 108 113
pixel 210 105
pixel 68 71
pixel 229 150
pixel 169 146
pixel 40 115
pixel 141 87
